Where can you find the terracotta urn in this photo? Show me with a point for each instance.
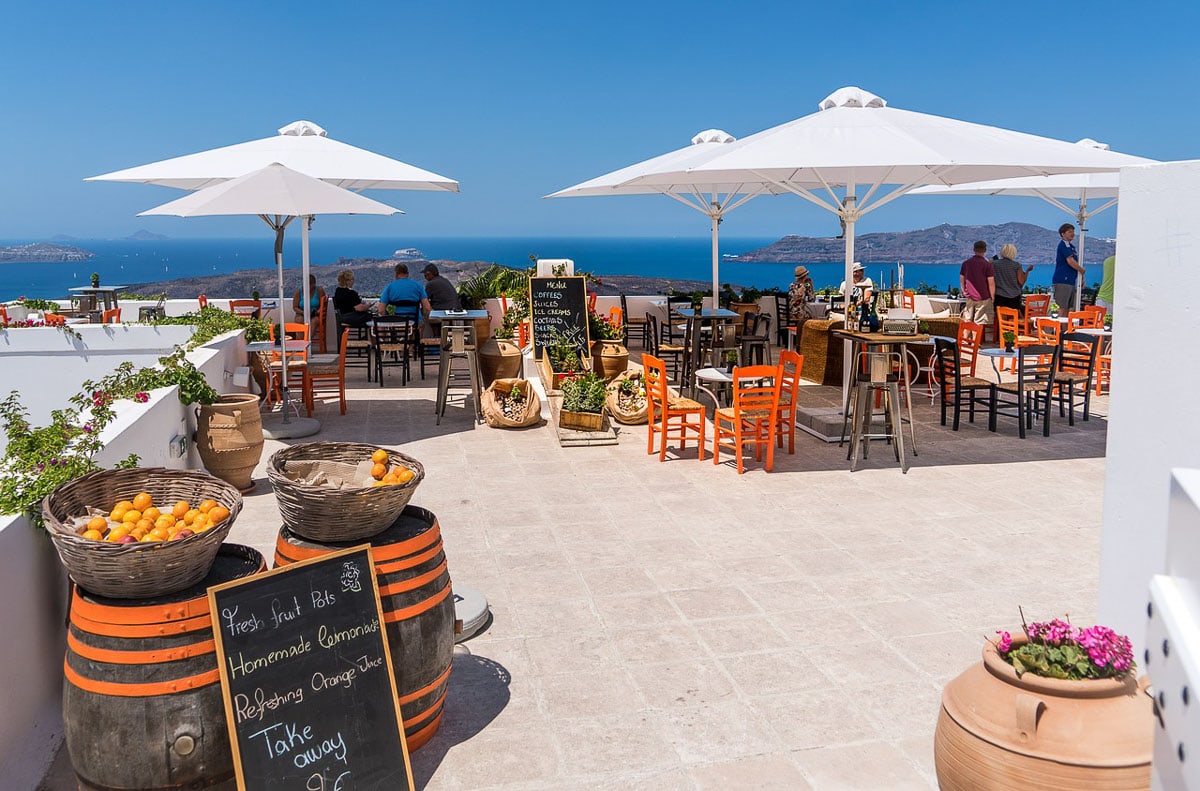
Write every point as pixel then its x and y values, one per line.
pixel 499 359
pixel 998 731
pixel 610 358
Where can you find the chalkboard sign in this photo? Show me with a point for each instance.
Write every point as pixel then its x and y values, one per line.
pixel 307 678
pixel 558 303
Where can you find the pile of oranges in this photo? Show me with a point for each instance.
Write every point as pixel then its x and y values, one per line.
pixel 138 520
pixel 388 477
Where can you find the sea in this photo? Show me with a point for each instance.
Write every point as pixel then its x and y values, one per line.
pixel 128 262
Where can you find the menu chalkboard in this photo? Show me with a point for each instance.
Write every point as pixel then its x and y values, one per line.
pixel 307 677
pixel 558 303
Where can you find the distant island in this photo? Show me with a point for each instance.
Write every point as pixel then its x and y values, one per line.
pixel 942 244
pixel 144 236
pixel 41 252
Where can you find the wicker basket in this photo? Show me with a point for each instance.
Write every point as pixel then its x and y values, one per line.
pixel 323 513
pixel 134 571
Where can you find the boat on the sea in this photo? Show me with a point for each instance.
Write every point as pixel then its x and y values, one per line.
pixel 408 254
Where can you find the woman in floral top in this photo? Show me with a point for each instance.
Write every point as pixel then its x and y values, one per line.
pixel 800 294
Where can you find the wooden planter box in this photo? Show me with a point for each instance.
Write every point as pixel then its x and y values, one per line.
pixel 552 380
pixel 581 421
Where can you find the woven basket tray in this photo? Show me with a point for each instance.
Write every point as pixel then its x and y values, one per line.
pixel 141 570
pixel 324 513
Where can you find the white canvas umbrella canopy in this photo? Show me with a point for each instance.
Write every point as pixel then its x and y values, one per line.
pixel 854 139
pixel 301 146
pixel 704 195
pixel 277 195
pixel 1075 188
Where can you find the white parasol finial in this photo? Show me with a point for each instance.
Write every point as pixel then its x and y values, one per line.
pixel 302 128
pixel 851 96
pixel 712 136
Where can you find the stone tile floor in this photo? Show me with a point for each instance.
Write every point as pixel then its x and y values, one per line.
pixel 675 625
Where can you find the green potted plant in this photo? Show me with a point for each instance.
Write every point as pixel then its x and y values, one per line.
pixel 561 357
pixel 1054 310
pixel 583 402
pixel 731 360
pixel 1010 338
pixel 745 301
pixel 1013 719
pixel 95 280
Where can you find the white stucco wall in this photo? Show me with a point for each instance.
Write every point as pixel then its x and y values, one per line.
pixel 1154 384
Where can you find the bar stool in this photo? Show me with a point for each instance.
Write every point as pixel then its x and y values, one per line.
pixel 877 374
pixel 458 343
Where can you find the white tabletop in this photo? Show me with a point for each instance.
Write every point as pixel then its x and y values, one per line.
pixel 998 352
pixel 719 375
pixel 267 346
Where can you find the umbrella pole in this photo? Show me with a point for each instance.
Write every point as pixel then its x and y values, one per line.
pixel 716 222
pixel 283 374
pixel 1081 218
pixel 850 215
pixel 304 222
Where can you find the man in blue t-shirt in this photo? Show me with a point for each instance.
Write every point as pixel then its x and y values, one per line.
pixel 406 295
pixel 1067 269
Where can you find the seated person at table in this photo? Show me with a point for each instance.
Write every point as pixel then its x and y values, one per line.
pixel 316 295
pixel 351 310
pixel 407 296
pixel 442 295
pixel 864 289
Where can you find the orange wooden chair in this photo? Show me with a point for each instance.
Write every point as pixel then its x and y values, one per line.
pixel 1084 319
pixel 908 300
pixel 297 363
pixel 3 314
pixel 54 320
pixel 1036 306
pixel 753 417
pixel 111 316
pixel 321 328
pixel 970 336
pixel 790 364
pixel 245 307
pixel 670 416
pixel 203 300
pixel 1103 373
pixel 1008 320
pixel 592 296
pixel 1048 331
pixel 1099 311
pixel 327 374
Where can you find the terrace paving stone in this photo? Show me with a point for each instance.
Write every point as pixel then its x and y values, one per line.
pixel 676 625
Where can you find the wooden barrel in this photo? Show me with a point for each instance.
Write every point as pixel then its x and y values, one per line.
pixel 142 705
pixel 418 610
pixel 229 438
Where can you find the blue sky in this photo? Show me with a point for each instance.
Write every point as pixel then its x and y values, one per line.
pixel 516 100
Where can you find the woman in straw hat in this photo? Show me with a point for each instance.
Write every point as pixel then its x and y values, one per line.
pixel 801 294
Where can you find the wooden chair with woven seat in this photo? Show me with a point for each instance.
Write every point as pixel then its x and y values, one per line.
pixel 111 316
pixel 957 383
pixel 670 417
pixel 203 300
pixel 1099 311
pixel 327 374
pixel 1076 366
pixel 54 320
pixel 1035 368
pixel 1103 373
pixel 790 365
pixel 592 297
pixel 249 308
pixel 783 318
pixel 908 300
pixel 970 336
pixel 1036 306
pixel 1048 331
pixel 672 330
pixel 1008 320
pixel 358 347
pixel 753 418
pixel 634 326
pixel 321 328
pixel 1085 319
pixel 393 338
pixel 3 314
pixel 297 363
pixel 663 349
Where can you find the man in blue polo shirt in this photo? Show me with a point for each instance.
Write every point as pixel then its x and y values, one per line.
pixel 1066 268
pixel 406 295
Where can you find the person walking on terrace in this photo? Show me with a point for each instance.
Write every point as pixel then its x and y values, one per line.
pixel 407 296
pixel 1010 278
pixel 977 278
pixel 1067 269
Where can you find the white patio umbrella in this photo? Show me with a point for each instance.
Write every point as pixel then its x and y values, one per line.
pixel 277 195
pixel 1076 188
pixel 301 146
pixel 855 139
pixel 704 195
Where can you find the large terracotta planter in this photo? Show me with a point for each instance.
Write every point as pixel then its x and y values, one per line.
pixel 998 731
pixel 609 359
pixel 499 360
pixel 229 438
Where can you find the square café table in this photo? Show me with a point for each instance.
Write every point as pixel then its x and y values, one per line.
pixel 697 318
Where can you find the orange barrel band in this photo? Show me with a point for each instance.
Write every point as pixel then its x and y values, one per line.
pixel 418 610
pixel 136 666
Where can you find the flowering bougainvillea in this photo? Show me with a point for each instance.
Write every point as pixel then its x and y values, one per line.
pixel 1058 649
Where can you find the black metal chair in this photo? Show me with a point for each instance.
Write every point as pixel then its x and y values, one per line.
pixel 1076 366
pixel 393 339
pixel 755 342
pixel 674 329
pixel 955 386
pixel 1031 393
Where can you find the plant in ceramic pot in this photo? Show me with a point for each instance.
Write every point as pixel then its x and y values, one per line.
pixel 610 358
pixel 1010 338
pixel 1054 310
pixel 1055 707
pixel 95 279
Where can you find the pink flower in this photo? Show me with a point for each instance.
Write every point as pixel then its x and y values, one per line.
pixel 1004 645
pixel 142 397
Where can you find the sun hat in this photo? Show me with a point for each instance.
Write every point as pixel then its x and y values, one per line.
pixel 857 267
pixel 801 271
